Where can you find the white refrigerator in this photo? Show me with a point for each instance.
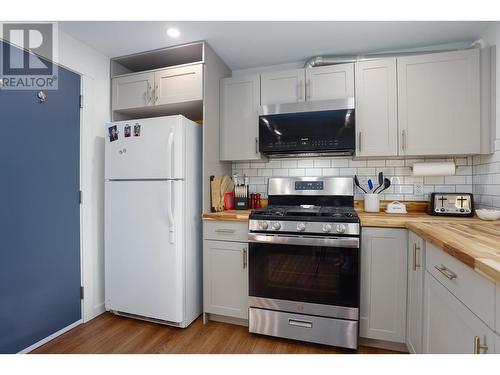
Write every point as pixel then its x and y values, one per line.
pixel 153 247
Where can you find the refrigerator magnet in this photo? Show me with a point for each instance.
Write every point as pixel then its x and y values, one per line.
pixel 113 133
pixel 137 130
pixel 127 131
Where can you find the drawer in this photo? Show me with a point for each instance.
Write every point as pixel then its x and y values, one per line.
pixel 225 231
pixel 472 289
pixel 328 331
pixel 497 322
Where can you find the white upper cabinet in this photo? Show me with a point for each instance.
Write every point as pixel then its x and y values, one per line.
pixel 383 284
pixel 177 85
pixel 283 87
pixel 239 116
pixel 439 103
pixel 330 82
pixel 133 91
pixel 376 108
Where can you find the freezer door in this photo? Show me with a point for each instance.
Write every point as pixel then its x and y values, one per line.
pixel 144 258
pixel 145 149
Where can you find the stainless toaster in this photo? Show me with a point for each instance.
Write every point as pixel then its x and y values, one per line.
pixel 452 204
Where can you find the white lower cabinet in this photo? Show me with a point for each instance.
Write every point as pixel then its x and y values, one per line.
pixel 383 284
pixel 225 271
pixel 415 293
pixel 449 326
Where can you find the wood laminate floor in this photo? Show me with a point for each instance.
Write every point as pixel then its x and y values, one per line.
pixel 110 334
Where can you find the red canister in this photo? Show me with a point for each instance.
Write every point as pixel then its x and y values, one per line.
pixel 229 200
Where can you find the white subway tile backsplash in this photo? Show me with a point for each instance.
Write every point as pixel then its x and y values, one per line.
pixel 280 172
pixel 486 177
pixel 321 163
pixel 289 163
pixel 331 172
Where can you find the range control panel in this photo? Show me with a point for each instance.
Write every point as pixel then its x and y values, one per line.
pixel 309 185
pixel 452 204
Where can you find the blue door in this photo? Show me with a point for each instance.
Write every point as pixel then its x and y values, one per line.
pixel 39 213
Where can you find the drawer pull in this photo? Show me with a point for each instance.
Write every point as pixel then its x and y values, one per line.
pixel 244 258
pixel 450 275
pixel 300 323
pixel 478 347
pixel 225 231
pixel 415 264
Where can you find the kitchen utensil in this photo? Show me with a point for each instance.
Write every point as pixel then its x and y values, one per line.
pixel 380 181
pixel 396 208
pixel 370 184
pixel 372 202
pixel 485 214
pixel 241 197
pixel 356 181
pixel 387 184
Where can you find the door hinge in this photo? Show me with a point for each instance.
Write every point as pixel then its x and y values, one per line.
pixel 80 197
pixel 81 292
pixel 81 101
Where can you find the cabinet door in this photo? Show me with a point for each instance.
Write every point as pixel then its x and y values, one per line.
pixel 438 103
pixel 133 91
pixel 177 85
pixel 239 128
pixel 330 82
pixel 415 297
pixel 283 87
pixel 225 278
pixel 449 326
pixel 376 108
pixel 383 284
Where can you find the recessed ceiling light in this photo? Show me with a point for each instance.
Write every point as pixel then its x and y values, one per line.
pixel 173 32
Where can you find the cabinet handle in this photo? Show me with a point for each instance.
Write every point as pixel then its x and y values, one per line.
pixel 149 92
pixel 415 265
pixel 157 89
pixel 449 274
pixel 225 231
pixel 309 89
pixel 403 140
pixel 244 258
pixel 359 141
pixel 300 323
pixel 256 145
pixel 478 347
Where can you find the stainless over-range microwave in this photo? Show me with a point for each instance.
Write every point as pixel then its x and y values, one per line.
pixel 325 127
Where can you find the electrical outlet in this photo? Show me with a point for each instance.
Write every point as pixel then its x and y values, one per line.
pixel 418 189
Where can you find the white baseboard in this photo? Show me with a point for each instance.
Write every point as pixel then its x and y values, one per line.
pixel 51 337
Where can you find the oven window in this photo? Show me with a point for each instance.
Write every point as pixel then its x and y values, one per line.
pixel 322 275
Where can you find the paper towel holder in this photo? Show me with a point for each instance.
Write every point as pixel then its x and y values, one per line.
pixel 454 160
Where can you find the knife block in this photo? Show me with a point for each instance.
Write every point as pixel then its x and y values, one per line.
pixel 241 197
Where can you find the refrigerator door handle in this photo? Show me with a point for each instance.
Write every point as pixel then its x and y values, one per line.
pixel 171 227
pixel 169 152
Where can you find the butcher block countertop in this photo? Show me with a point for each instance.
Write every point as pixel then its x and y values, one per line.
pixel 473 241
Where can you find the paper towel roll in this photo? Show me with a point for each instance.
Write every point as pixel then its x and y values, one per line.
pixel 434 169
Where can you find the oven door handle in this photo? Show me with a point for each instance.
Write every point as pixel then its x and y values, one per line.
pixel 348 242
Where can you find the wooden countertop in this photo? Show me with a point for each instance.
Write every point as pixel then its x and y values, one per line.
pixel 231 215
pixel 473 241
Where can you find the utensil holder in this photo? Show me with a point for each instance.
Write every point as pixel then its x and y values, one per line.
pixel 372 202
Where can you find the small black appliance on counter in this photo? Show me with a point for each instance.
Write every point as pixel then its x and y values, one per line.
pixel 452 204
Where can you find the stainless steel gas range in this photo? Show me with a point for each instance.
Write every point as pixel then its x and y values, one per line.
pixel 304 262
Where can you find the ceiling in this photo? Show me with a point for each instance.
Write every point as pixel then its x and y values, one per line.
pixel 245 45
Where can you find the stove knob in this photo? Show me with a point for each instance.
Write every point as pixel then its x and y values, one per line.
pixel 301 227
pixel 327 227
pixel 276 226
pixel 340 228
pixel 263 225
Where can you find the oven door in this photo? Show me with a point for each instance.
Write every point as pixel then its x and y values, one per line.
pixel 308 275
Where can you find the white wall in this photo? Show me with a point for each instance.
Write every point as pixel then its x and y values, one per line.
pixel 94 68
pixel 486 168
